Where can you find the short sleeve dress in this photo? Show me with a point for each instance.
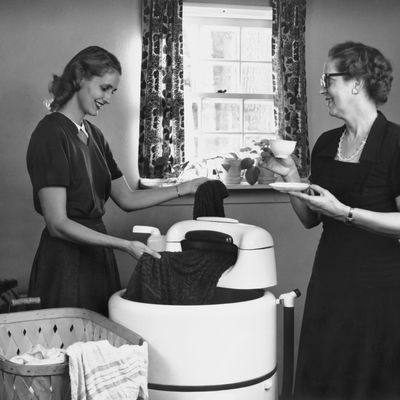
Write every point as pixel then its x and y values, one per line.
pixel 350 339
pixel 67 274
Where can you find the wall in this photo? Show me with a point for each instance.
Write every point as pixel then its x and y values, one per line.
pixel 373 22
pixel 38 38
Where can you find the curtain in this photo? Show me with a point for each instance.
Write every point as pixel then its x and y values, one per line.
pixel 289 76
pixel 161 135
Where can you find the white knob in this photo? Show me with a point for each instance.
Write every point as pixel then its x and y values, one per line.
pixel 268 384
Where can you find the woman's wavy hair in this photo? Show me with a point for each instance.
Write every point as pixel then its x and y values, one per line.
pixel 89 62
pixel 366 63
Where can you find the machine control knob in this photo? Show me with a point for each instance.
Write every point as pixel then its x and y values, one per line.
pixel 268 384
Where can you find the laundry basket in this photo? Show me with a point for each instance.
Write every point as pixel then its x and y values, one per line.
pixel 52 328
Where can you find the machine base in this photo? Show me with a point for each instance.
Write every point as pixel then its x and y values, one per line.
pixel 266 390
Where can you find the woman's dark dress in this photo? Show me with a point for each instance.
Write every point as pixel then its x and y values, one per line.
pixel 66 274
pixel 350 339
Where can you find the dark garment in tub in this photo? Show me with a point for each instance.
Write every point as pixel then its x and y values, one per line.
pixel 178 278
pixel 209 199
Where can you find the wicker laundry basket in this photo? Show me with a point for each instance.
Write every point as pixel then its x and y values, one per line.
pixel 52 328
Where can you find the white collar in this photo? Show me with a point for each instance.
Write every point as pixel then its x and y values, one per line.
pixel 81 128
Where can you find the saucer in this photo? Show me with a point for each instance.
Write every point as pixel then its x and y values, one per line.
pixel 289 186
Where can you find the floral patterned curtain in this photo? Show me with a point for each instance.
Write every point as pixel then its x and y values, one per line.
pixel 289 76
pixel 161 137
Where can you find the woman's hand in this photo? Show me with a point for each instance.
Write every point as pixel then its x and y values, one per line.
pixel 136 249
pixel 324 202
pixel 130 200
pixel 190 187
pixel 285 167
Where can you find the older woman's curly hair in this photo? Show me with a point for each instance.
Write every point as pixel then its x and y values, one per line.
pixel 89 62
pixel 366 63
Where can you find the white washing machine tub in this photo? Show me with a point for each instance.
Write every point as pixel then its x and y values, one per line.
pixel 218 351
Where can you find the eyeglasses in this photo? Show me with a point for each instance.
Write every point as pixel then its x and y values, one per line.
pixel 325 78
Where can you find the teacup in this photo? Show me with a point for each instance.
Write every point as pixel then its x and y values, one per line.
pixel 282 148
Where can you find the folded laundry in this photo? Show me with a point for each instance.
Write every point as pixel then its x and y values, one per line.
pixel 97 370
pixel 100 371
pixel 40 355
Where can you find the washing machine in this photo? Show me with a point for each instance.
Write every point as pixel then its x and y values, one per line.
pixel 222 351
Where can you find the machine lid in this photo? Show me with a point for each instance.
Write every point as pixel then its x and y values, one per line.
pixel 255 265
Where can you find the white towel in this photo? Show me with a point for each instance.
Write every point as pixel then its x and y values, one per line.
pixel 100 371
pixel 40 355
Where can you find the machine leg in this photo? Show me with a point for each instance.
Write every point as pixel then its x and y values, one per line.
pixel 288 344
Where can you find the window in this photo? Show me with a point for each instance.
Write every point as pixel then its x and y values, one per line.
pixel 228 78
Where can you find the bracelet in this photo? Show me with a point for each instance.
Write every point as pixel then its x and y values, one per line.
pixel 350 217
pixel 177 191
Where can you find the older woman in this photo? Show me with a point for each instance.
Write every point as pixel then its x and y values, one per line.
pixel 350 338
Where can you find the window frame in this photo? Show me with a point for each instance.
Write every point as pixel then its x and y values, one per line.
pixel 199 96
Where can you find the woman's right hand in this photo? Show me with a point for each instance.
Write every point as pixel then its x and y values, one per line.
pixel 136 249
pixel 191 186
pixel 285 167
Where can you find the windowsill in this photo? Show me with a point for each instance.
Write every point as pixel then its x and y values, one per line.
pixel 238 186
pixel 247 186
pixel 240 194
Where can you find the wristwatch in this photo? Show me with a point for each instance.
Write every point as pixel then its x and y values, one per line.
pixel 349 218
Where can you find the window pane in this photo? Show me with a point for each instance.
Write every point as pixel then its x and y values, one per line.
pixel 211 77
pixel 188 77
pixel 249 140
pixel 218 145
pixel 192 113
pixel 222 115
pixel 256 44
pixel 219 42
pixel 191 40
pixel 259 116
pixel 256 78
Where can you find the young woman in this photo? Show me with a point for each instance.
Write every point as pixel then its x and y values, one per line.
pixel 73 173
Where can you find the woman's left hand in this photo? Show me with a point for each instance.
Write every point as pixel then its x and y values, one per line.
pixel 323 201
pixel 136 249
pixel 190 187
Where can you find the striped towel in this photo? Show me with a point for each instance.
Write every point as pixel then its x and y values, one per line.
pixel 100 371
